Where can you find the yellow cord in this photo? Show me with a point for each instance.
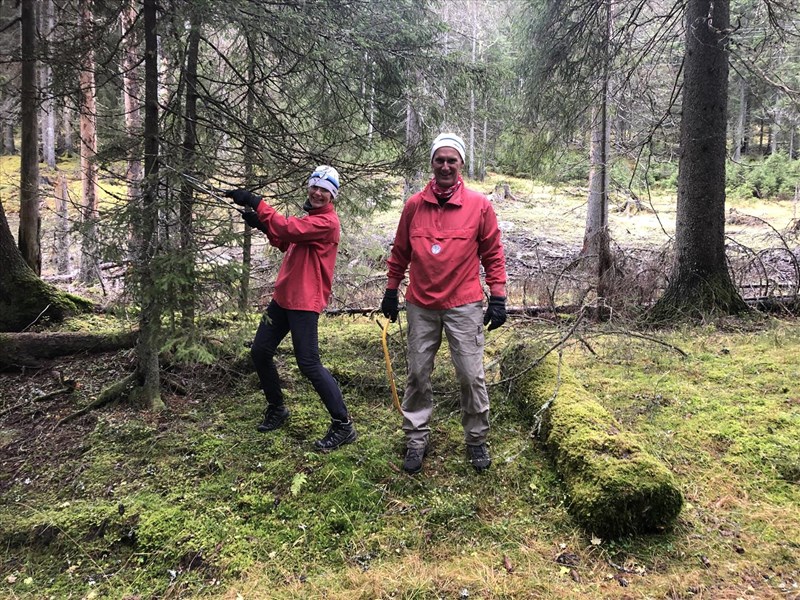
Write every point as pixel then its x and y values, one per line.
pixel 389 373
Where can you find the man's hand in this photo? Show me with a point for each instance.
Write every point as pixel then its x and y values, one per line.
pixel 252 219
pixel 390 307
pixel 244 198
pixel 495 313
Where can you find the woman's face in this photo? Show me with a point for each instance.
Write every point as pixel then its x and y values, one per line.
pixel 319 197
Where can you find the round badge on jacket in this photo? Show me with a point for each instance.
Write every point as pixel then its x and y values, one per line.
pixel 436 248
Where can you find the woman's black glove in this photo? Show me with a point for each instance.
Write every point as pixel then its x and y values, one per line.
pixel 252 219
pixel 244 198
pixel 390 307
pixel 495 312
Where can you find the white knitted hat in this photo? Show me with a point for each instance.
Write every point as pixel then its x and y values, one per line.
pixel 449 140
pixel 326 177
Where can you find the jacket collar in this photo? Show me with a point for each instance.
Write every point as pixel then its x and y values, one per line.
pixel 427 195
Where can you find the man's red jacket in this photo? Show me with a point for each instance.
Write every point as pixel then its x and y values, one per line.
pixel 443 248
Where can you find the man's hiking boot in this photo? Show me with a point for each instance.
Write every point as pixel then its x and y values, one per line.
pixel 413 461
pixel 479 457
pixel 339 433
pixel 274 417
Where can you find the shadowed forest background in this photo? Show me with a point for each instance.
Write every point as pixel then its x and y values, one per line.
pixel 643 161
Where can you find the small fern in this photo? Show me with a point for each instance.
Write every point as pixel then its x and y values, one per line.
pixel 298 481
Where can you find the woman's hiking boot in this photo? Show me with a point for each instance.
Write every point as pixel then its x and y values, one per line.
pixel 274 417
pixel 339 433
pixel 479 457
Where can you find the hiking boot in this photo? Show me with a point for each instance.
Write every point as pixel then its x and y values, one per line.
pixel 339 433
pixel 413 461
pixel 479 457
pixel 274 417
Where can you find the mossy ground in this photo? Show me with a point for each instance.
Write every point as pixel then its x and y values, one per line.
pixel 195 503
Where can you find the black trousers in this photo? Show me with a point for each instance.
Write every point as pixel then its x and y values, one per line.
pixel 302 324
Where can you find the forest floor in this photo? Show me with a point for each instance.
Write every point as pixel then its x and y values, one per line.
pixel 193 502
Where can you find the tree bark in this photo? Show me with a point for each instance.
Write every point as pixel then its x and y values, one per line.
pixel 187 285
pixel 249 142
pixel 28 349
pixel 700 284
pixel 88 126
pixel 29 219
pixel 148 391
pixel 596 242
pixel 48 101
pixel 24 297
pixel 739 143
pixel 62 243
pixel 131 90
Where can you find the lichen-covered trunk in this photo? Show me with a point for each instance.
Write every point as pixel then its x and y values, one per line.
pixel 29 238
pixel 148 370
pixel 700 283
pixel 48 101
pixel 596 240
pixel 131 97
pixel 88 129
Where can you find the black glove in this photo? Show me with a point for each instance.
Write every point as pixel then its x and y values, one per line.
pixel 252 219
pixel 244 198
pixel 495 312
pixel 390 306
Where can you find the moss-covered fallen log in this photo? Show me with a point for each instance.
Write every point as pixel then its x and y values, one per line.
pixel 27 349
pixel 615 487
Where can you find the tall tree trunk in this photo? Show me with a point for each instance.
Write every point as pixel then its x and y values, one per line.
pixel 131 93
pixel 739 143
pixel 473 15
pixel 66 124
pixel 413 139
pixel 700 283
pixel 148 370
pixel 596 243
pixel 187 285
pixel 48 101
pixel 775 126
pixel 62 242
pixel 249 142
pixel 29 218
pixel 8 136
pixel 88 116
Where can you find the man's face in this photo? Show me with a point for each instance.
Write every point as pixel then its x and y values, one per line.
pixel 446 165
pixel 318 196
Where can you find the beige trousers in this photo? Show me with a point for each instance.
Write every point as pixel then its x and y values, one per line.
pixel 463 326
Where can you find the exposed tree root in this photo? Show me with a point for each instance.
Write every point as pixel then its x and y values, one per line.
pixel 112 393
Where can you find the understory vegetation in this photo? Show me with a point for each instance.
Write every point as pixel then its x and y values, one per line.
pixel 194 502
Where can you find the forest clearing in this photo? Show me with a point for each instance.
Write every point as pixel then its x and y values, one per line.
pixel 194 502
pixel 594 202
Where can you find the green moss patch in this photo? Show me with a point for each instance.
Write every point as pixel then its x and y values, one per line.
pixel 615 487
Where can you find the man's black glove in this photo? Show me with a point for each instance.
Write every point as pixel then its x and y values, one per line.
pixel 390 306
pixel 244 198
pixel 495 312
pixel 252 219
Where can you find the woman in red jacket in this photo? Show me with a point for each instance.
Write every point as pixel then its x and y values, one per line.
pixel 302 291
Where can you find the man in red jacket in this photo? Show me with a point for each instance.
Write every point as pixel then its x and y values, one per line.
pixel 302 291
pixel 446 232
